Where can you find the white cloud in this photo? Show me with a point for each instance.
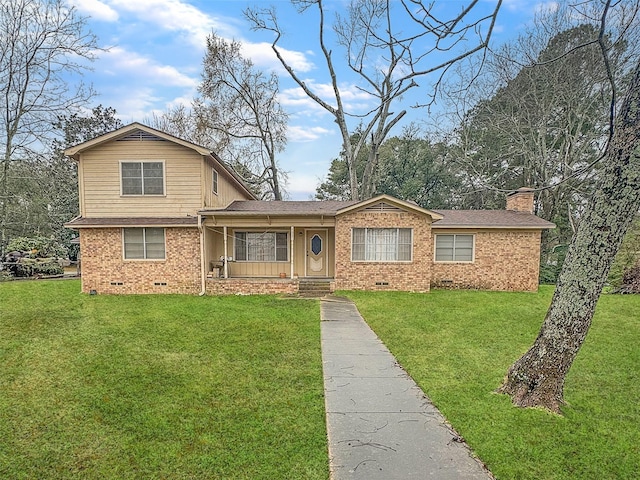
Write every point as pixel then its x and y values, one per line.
pixel 95 9
pixel 546 7
pixel 121 62
pixel 194 25
pixel 299 133
pixel 178 16
pixel 263 56
pixel 134 104
pixel 354 99
pixel 301 186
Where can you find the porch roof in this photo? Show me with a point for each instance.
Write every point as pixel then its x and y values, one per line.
pixel 280 208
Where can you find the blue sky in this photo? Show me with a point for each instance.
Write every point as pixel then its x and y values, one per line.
pixel 154 57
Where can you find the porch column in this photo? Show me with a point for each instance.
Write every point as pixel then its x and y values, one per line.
pixel 226 255
pixel 292 255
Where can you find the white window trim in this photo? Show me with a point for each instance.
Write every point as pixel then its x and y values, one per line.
pixel 164 179
pixel 473 248
pixel 274 246
pixel 144 233
pixel 382 261
pixel 215 178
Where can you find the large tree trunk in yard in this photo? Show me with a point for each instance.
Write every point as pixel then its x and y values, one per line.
pixel 537 378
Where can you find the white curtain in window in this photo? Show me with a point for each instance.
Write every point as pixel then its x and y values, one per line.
pixel 260 247
pixel 381 244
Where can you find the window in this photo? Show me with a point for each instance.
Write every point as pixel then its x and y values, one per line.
pixel 142 178
pixel 261 246
pixel 381 245
pixel 144 243
pixel 214 182
pixel 454 248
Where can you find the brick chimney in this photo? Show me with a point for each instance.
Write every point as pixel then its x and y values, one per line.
pixel 521 200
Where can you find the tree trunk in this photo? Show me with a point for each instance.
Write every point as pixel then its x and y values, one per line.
pixel 537 378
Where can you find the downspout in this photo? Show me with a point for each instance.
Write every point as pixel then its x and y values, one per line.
pixel 226 254
pixel 203 288
pixel 292 252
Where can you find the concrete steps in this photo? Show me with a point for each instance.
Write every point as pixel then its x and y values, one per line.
pixel 314 287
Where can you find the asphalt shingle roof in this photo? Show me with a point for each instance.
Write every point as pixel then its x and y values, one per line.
pixel 260 207
pixel 133 221
pixel 452 218
pixel 489 218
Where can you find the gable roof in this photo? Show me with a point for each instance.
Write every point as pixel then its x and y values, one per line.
pixel 394 202
pixel 127 130
pixel 135 129
pixel 490 219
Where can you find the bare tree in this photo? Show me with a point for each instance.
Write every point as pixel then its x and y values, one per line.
pixel 240 104
pixel 537 378
pixel 386 50
pixel 181 121
pixel 43 43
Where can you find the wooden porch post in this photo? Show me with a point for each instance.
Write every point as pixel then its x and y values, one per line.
pixel 226 255
pixel 292 256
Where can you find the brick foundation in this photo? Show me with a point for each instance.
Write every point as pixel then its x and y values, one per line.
pixel 105 270
pixel 411 276
pixel 251 286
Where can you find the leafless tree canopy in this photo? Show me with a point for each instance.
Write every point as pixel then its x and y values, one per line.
pixel 44 44
pixel 387 57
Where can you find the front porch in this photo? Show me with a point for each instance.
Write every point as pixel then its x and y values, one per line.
pixel 267 252
pixel 310 286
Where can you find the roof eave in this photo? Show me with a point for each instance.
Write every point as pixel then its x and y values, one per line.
pixel 75 150
pixel 435 226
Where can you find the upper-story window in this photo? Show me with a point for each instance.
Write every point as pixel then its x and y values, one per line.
pixel 142 178
pixel 214 182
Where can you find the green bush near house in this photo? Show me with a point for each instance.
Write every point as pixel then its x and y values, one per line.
pixel 158 386
pixel 458 345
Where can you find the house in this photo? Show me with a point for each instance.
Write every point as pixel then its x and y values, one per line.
pixel 159 214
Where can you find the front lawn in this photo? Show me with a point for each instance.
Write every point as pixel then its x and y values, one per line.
pixel 157 386
pixel 457 345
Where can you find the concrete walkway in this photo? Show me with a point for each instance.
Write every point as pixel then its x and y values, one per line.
pixel 379 422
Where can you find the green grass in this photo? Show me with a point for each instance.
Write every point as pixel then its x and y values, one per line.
pixel 457 345
pixel 157 386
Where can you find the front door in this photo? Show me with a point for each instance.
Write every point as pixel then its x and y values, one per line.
pixel 316 253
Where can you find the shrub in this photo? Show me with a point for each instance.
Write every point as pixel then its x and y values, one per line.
pixel 29 267
pixel 40 247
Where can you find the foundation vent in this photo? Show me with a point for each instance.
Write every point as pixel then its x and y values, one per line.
pixel 160 284
pixel 117 283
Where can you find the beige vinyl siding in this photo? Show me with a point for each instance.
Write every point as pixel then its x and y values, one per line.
pixel 101 190
pixel 227 189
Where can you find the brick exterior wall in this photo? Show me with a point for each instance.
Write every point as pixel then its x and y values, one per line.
pixel 504 260
pixel 105 271
pixel 411 276
pixel 251 286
